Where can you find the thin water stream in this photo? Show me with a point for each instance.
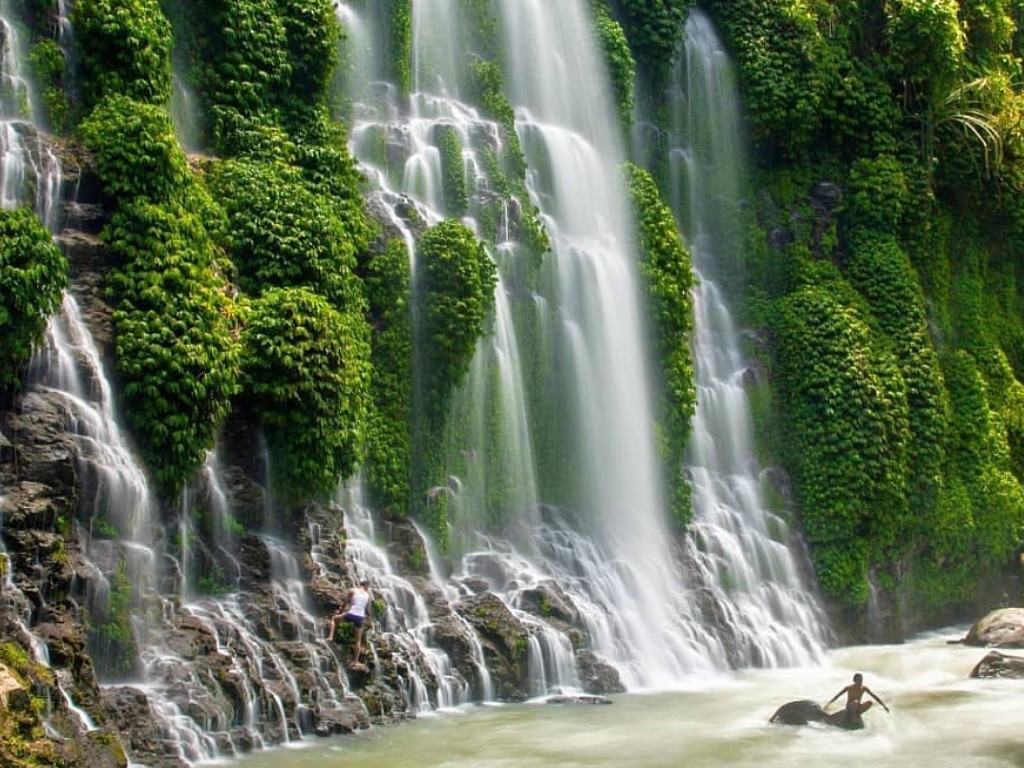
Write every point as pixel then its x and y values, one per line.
pixel 940 718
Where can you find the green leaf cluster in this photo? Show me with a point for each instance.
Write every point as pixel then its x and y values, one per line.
pixel 389 426
pixel 33 275
pixel 846 412
pixel 282 234
pixel 133 147
pixel 306 374
pixel 668 278
pixel 176 332
pixel 653 28
pixel 176 344
pixel 124 47
pixel 455 293
pixel 619 59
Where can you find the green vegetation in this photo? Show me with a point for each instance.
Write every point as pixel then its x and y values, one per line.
pixel 124 48
pixel 895 318
pixel 454 292
pixel 33 274
pixel 389 437
pixel 665 266
pixel 177 350
pixel 892 321
pixel 306 375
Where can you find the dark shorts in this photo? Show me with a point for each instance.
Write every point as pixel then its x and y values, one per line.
pixel 351 618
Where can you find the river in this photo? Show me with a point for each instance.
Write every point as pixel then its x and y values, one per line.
pixel 939 718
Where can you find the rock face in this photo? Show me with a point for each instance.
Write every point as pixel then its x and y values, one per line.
pixel 996 664
pixel 1003 628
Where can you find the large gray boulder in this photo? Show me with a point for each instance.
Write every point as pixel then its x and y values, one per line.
pixel 1002 628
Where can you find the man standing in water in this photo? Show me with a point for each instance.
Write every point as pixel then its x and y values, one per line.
pixel 354 611
pixel 854 707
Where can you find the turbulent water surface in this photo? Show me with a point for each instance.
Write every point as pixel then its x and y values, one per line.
pixel 940 718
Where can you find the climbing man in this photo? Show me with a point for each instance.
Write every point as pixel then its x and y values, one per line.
pixel 354 611
pixel 854 707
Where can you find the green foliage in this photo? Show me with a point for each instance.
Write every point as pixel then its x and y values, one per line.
pixel 398 46
pixel 33 275
pixel 176 347
pixel 48 65
pixel 925 41
pixel 668 276
pixel 306 375
pixel 244 45
pixel 778 48
pixel 881 272
pixel 653 28
pixel 845 409
pixel 453 171
pixel 331 174
pixel 124 48
pixel 111 639
pixel 312 34
pixel 281 234
pixel 876 192
pixel 455 292
pixel 134 149
pixel 388 439
pixel 621 66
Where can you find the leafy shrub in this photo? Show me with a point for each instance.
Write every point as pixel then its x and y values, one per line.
pixel 621 66
pixel 455 291
pixel 306 375
pixel 33 275
pixel 175 335
pixel 668 277
pixel 135 151
pixel 845 407
pixel 283 235
pixel 125 48
pixel 388 439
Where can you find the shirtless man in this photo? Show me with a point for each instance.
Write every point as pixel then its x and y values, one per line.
pixel 854 707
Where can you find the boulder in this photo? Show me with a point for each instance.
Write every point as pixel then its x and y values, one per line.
pixel 596 675
pixel 996 664
pixel 800 712
pixel 1002 628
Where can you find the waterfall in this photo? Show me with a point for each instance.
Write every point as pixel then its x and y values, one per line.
pixel 593 313
pixel 742 547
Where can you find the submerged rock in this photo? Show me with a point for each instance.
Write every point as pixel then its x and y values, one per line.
pixel 996 664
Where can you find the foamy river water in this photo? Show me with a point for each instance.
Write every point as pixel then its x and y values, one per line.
pixel 940 719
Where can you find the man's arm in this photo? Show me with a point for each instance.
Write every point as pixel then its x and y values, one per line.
pixel 835 697
pixel 871 693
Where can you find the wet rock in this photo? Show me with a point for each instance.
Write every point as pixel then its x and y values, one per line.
pixel 145 738
pixel 345 716
pixel 576 698
pixel 996 664
pixel 405 546
pixel 549 601
pixel 1002 628
pixel 798 712
pixel 505 642
pixel 596 675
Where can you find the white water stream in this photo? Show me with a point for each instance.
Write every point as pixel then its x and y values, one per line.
pixel 940 718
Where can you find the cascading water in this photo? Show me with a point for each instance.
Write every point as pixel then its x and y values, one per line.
pixel 591 311
pixel 418 181
pixel 741 546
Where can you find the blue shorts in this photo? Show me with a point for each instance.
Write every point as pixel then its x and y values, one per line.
pixel 351 618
